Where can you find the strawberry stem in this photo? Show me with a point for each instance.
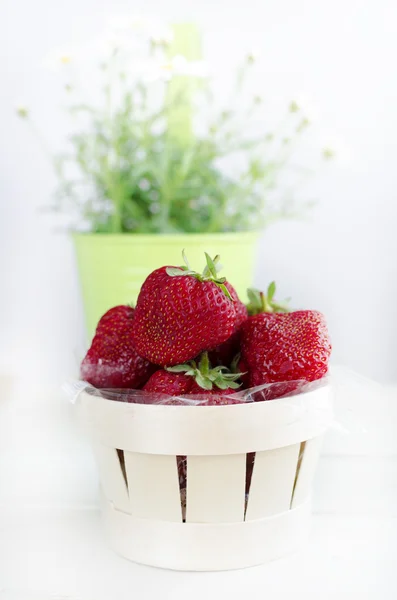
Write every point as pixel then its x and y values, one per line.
pixel 261 302
pixel 210 272
pixel 204 364
pixel 206 376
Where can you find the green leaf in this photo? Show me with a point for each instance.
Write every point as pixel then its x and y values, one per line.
pixel 185 260
pixel 282 308
pixel 191 372
pixel 204 383
pixel 211 266
pixel 232 376
pixel 234 385
pixel 204 364
pixel 225 291
pixel 221 384
pixel 176 271
pixel 253 296
pixel 235 362
pixel 216 260
pixel 271 290
pixel 218 267
pixel 179 368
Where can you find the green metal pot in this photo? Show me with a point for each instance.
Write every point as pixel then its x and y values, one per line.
pixel 112 267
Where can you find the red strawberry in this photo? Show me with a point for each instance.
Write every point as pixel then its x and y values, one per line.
pixel 181 313
pixel 192 378
pixel 277 347
pixel 242 367
pixel 172 384
pixel 214 396
pixel 220 401
pixel 112 360
pixel 224 353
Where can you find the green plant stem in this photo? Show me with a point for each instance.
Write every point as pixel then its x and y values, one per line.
pixel 114 189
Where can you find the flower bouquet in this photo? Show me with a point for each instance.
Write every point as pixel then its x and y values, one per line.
pixel 155 160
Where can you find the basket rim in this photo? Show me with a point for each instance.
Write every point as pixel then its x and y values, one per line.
pixel 206 430
pixel 190 399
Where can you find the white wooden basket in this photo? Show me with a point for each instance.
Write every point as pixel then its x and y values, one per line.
pixel 136 448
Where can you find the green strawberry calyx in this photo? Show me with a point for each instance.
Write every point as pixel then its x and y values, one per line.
pixel 206 376
pixel 210 272
pixel 260 302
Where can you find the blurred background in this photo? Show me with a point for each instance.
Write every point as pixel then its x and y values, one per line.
pixel 335 61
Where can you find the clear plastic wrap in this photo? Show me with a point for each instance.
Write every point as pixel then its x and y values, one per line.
pixel 265 392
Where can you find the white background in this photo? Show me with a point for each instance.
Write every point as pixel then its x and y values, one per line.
pixel 341 54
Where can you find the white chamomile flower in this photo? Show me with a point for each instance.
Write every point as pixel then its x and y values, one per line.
pixel 154 208
pixel 144 185
pixel 22 111
pixel 252 56
pixel 162 36
pixel 306 106
pixel 154 195
pixel 153 71
pixel 179 65
pixel 334 147
pixel 59 58
pixel 141 154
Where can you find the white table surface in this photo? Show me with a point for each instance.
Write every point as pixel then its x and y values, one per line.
pixel 51 542
pixel 63 552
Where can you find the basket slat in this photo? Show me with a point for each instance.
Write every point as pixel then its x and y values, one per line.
pixel 215 488
pixel 111 476
pixel 272 482
pixel 153 486
pixel 306 472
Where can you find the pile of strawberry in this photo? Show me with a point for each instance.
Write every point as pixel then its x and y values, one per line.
pixel 190 334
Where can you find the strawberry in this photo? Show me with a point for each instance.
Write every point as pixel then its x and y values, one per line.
pixel 224 353
pixel 219 398
pixel 172 384
pixel 213 396
pixel 112 360
pixel 180 314
pixel 192 378
pixel 281 346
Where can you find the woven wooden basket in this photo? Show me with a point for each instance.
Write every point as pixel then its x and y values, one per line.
pixel 216 523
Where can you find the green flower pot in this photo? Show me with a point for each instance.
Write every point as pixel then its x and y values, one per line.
pixel 112 267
